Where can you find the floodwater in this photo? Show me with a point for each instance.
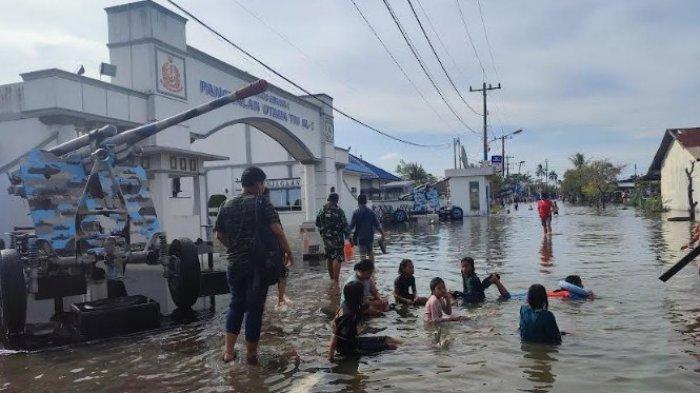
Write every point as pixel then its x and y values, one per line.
pixel 638 335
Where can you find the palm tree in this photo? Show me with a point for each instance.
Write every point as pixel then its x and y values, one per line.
pixel 578 159
pixel 540 172
pixel 553 177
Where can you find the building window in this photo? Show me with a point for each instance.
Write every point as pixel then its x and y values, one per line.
pixel 285 194
pixel 145 162
pixel 193 164
pixel 173 163
pixel 183 163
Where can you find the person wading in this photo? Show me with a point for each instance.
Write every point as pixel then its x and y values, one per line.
pixel 333 227
pixel 237 224
pixel 364 222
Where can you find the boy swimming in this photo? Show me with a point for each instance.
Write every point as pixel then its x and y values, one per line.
pixel 438 307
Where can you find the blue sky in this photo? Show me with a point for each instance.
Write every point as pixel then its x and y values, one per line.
pixel 598 77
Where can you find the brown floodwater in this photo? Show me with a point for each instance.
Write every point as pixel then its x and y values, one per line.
pixel 637 335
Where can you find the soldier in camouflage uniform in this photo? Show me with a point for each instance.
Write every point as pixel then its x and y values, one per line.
pixel 333 227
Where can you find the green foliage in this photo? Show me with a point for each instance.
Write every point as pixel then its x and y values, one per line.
pixel 415 172
pixel 648 205
pixel 590 181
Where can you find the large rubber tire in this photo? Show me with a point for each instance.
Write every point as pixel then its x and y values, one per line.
pixel 456 213
pixel 400 216
pixel 184 273
pixel 13 294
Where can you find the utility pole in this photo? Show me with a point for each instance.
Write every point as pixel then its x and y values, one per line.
pixel 507 160
pixel 484 90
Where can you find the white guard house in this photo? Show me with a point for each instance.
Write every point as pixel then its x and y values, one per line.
pixel 158 75
pixel 470 189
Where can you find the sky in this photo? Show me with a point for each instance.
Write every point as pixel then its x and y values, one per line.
pixel 598 77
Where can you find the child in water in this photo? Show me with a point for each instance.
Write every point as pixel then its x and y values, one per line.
pixel 439 304
pixel 571 287
pixel 537 324
pixel 347 326
pixel 474 287
pixel 404 282
pixel 363 274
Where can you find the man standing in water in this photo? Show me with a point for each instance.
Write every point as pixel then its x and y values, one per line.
pixel 236 226
pixel 364 222
pixel 544 208
pixel 333 227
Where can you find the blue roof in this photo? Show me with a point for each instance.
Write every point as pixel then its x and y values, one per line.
pixel 367 170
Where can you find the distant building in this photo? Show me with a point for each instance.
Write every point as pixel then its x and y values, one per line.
pixel 372 177
pixel 679 151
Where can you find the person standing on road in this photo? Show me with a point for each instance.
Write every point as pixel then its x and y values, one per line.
pixel 333 227
pixel 236 227
pixel 364 222
pixel 544 208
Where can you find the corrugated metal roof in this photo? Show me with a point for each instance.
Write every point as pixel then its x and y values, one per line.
pixel 367 170
pixel 689 138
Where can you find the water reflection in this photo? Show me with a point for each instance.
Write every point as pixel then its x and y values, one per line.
pixel 538 360
pixel 546 254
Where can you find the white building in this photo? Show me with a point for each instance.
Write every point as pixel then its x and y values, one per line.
pixel 470 189
pixel 158 75
pixel 679 151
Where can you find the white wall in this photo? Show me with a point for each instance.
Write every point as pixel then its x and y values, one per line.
pixel 674 182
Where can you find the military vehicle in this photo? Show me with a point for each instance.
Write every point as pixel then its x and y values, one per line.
pixel 93 215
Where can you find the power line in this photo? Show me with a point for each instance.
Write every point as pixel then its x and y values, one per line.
pixel 493 61
pixel 471 41
pixel 291 82
pixel 432 27
pixel 420 62
pixel 432 48
pixel 403 71
pixel 488 43
pixel 308 58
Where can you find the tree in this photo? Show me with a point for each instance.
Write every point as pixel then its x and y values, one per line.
pixel 414 172
pixel 600 179
pixel 691 202
pixel 540 172
pixel 553 176
pixel 579 160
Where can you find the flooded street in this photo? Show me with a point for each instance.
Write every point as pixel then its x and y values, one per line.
pixel 639 334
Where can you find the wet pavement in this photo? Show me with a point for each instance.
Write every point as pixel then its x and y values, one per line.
pixel 638 334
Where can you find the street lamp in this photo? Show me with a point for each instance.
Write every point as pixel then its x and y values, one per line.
pixel 520 164
pixel 503 146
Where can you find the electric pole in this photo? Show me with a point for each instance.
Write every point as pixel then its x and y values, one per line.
pixel 484 90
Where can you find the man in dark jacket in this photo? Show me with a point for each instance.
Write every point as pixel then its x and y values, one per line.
pixel 364 222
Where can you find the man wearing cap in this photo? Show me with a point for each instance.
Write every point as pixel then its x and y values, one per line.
pixel 333 227
pixel 236 225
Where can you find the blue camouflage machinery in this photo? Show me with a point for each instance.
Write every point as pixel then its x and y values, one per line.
pixel 93 214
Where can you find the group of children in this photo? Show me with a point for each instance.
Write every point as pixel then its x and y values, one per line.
pixel 361 299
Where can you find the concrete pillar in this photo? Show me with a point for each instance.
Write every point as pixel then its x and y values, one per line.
pixel 308 183
pixel 160 187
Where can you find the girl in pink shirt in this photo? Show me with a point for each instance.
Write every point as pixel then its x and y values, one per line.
pixel 439 303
